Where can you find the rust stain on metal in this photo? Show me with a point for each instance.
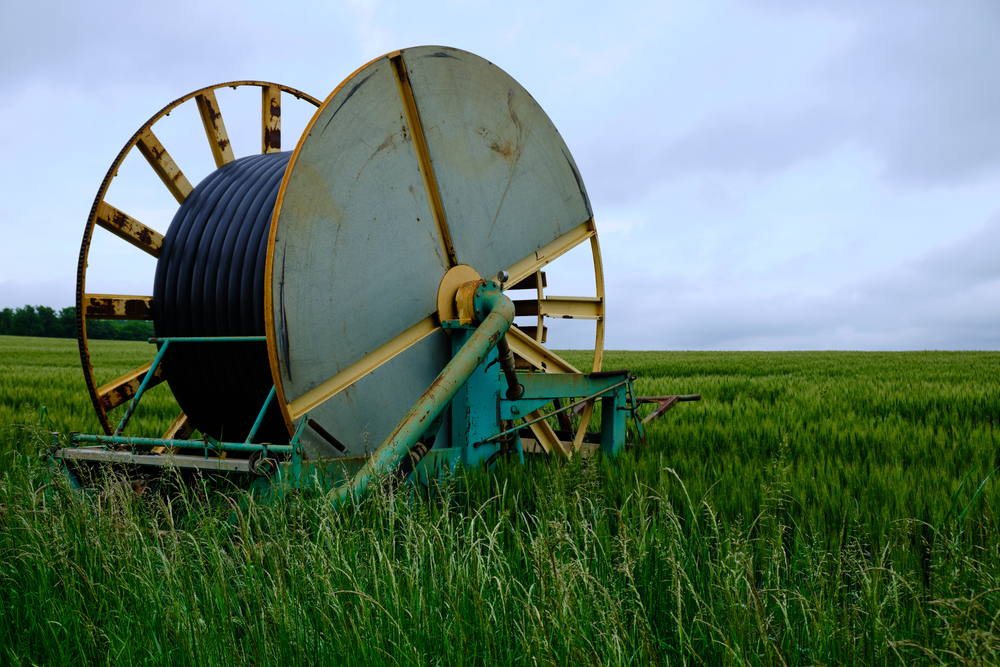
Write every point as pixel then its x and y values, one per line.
pixel 271 120
pixel 385 144
pixel 272 139
pixel 215 128
pixel 116 307
pixel 213 113
pixel 504 150
pixel 129 229
pixel 163 165
pixel 120 391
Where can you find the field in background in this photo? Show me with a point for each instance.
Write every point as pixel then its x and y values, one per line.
pixel 814 508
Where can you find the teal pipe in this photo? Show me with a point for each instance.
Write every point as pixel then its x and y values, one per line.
pixel 499 315
pixel 188 444
pixel 209 339
pixel 260 416
pixel 134 403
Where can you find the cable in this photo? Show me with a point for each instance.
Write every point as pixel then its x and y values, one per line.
pixel 210 282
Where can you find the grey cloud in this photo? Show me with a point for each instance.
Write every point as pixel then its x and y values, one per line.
pixel 121 48
pixel 943 299
pixel 915 88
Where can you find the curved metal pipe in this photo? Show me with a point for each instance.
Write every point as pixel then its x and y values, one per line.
pixel 434 401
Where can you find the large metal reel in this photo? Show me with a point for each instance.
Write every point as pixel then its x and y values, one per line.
pixel 130 307
pixel 421 160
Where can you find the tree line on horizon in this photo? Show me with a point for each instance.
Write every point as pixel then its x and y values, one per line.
pixel 45 322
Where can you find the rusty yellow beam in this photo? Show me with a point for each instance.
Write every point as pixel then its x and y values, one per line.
pixel 124 388
pixel 180 429
pixel 581 430
pixel 215 128
pixel 545 436
pixel 531 281
pixel 563 307
pixel 551 251
pixel 129 229
pixel 117 307
pixel 423 156
pixel 362 367
pixel 533 333
pixel 270 119
pixel 535 354
pixel 164 166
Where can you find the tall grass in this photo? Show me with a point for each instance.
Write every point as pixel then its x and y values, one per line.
pixel 814 508
pixel 553 564
pixel 37 372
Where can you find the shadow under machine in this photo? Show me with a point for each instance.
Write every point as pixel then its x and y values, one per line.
pixel 340 312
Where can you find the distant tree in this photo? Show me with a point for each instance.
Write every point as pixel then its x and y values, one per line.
pixel 67 323
pixel 46 322
pixel 26 322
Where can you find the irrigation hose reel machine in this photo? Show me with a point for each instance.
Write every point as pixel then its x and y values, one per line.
pixel 337 313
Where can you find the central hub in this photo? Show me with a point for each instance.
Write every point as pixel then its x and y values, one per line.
pixel 448 289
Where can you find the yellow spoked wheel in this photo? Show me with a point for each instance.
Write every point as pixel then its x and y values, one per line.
pixel 103 214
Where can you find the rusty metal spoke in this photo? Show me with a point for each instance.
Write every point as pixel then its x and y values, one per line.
pixel 122 390
pixel 129 229
pixel 215 128
pixel 164 166
pixel 117 307
pixel 270 119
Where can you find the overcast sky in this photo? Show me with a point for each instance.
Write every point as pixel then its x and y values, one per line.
pixel 762 176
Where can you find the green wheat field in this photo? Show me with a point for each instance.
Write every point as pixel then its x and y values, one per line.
pixel 815 508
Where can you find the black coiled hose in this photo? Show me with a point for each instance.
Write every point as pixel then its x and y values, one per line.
pixel 210 282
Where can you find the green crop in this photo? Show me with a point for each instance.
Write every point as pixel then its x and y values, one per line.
pixel 814 508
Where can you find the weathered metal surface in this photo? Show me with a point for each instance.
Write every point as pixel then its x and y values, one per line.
pixel 179 429
pixel 98 208
pixel 613 414
pixel 563 307
pixel 531 281
pixel 423 156
pixel 532 332
pixel 508 182
pixel 595 250
pixel 664 403
pixel 209 445
pixel 550 252
pixel 117 307
pixel 413 139
pixel 581 430
pixel 537 355
pixel 164 166
pixel 364 366
pixel 122 389
pixel 129 229
pixel 270 141
pixel 545 436
pixel 429 408
pixel 99 454
pixel 448 288
pixel 146 380
pixel 215 128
